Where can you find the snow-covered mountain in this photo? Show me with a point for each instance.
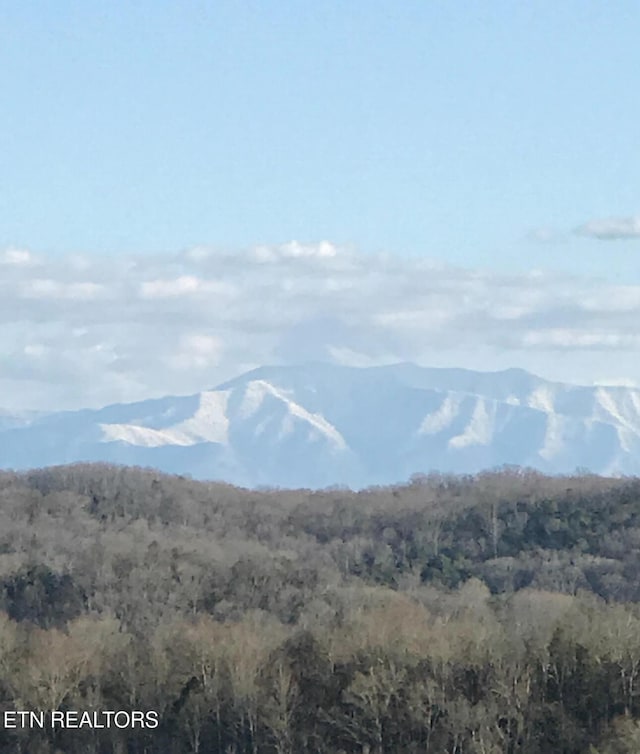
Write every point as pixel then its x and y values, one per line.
pixel 319 425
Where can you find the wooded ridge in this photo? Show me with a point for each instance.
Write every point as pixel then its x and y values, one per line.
pixel 480 614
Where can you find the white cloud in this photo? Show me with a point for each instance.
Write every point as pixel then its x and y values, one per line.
pixel 37 350
pixel 185 285
pixel 196 351
pixel 611 228
pixel 295 250
pixel 94 330
pixel 53 289
pixel 578 338
pixel 613 298
pixel 17 258
pixel 322 250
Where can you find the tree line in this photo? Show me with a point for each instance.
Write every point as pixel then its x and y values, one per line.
pixel 496 613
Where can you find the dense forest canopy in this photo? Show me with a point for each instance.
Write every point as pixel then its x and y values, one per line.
pixel 485 614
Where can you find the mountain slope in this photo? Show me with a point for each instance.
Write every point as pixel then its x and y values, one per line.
pixel 318 424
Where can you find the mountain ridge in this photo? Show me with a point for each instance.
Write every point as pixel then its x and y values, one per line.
pixel 316 425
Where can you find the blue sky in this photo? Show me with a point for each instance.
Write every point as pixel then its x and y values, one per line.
pixel 462 181
pixel 450 130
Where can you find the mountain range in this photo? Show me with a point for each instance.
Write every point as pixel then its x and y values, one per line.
pixel 319 425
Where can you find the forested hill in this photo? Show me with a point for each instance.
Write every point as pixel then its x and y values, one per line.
pixel 478 614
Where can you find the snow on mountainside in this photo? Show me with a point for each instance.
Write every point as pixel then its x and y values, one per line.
pixel 318 425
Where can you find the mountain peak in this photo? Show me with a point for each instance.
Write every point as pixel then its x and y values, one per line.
pixel 320 424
